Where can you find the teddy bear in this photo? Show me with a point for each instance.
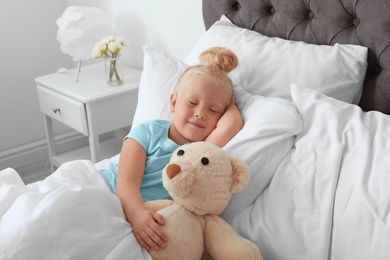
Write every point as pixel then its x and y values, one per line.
pixel 201 179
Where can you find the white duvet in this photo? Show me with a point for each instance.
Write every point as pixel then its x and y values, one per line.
pixel 327 198
pixel 70 215
pixel 330 196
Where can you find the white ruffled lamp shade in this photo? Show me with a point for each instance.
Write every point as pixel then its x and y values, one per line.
pixel 79 28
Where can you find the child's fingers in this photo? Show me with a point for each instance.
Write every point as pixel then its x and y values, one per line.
pixel 159 235
pixel 147 240
pixel 153 238
pixel 158 218
pixel 142 242
pixel 149 234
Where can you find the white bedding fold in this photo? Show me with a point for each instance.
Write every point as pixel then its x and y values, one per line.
pixel 69 215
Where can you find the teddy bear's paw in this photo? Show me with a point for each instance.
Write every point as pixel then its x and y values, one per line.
pixel 253 252
pixel 249 251
pixel 243 249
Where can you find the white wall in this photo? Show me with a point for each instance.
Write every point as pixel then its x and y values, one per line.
pixel 30 49
pixel 173 25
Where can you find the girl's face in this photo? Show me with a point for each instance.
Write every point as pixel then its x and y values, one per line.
pixel 197 107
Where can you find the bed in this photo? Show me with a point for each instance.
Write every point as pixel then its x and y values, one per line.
pixel 313 86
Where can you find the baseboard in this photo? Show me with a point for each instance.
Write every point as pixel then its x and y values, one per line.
pixel 31 160
pixel 35 172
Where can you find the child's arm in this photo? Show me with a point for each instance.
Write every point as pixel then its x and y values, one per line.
pixel 228 126
pixel 146 223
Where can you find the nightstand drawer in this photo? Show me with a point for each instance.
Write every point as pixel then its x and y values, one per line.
pixel 66 110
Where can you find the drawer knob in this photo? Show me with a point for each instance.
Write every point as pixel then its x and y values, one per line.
pixel 55 110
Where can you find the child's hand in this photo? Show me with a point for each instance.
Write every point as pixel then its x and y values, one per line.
pixel 147 230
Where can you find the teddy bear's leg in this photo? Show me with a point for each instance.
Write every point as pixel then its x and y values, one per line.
pixel 223 242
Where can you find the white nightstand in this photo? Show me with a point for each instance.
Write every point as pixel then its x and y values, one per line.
pixel 89 106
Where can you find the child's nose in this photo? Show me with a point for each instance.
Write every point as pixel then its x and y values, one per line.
pixel 200 114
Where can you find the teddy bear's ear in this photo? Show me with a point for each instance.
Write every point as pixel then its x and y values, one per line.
pixel 241 175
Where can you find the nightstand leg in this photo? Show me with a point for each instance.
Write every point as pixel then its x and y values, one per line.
pixel 95 147
pixel 50 140
pixel 93 133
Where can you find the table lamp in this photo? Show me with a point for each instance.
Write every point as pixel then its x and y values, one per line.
pixel 79 28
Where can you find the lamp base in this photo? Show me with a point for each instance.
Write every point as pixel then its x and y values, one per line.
pixel 78 71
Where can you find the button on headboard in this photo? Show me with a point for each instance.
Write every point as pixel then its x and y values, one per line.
pixel 362 22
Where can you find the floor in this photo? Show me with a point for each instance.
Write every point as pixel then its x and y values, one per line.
pixel 37 173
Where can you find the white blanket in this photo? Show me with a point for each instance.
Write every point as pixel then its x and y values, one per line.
pixel 69 215
pixel 330 196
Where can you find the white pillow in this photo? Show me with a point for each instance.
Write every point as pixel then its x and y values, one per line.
pixel 267 66
pixel 271 125
pixel 268 133
pixel 158 80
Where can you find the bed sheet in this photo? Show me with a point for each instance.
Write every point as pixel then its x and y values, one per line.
pixel 69 215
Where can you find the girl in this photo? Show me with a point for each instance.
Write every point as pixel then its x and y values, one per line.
pixel 203 109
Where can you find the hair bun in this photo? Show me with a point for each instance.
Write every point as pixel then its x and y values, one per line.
pixel 221 57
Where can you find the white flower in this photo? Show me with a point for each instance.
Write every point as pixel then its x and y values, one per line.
pixel 108 47
pixel 99 49
pixel 121 40
pixel 114 47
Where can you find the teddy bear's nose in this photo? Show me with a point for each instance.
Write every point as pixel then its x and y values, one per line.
pixel 173 170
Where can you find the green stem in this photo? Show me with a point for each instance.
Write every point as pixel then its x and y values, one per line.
pixel 113 71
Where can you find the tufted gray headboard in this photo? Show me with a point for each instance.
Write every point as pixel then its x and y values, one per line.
pixel 362 22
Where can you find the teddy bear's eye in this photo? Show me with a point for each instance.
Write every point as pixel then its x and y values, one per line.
pixel 205 161
pixel 180 153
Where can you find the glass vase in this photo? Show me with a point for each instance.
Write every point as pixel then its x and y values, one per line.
pixel 114 70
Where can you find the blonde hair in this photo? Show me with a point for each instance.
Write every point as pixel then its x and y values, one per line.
pixel 216 63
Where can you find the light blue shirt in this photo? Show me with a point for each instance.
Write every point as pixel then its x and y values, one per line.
pixel 153 137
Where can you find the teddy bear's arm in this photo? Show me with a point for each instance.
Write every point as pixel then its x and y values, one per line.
pixel 223 242
pixel 156 205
